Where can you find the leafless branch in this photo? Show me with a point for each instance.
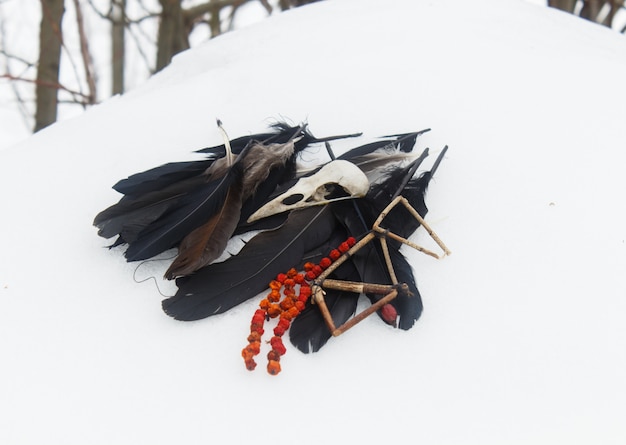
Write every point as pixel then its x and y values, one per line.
pixel 86 55
pixel 56 85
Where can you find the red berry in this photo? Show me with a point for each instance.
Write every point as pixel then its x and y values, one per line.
pixel 389 314
pixel 325 263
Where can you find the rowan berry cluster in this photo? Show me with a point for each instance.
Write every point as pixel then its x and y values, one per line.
pixel 296 290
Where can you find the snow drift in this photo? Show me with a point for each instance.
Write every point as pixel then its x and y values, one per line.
pixel 522 339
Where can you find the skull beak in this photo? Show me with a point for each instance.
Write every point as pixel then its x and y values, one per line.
pixel 335 181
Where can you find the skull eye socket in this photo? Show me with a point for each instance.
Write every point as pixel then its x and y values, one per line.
pixel 292 199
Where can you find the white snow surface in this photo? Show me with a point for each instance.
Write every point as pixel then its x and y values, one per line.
pixel 523 336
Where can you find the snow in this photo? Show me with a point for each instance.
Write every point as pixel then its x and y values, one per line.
pixel 523 337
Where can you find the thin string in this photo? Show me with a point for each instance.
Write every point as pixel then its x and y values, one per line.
pixel 151 277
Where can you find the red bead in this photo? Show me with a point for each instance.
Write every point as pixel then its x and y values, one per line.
pixel 273 355
pixel 259 312
pixel 256 327
pixel 325 263
pixel 286 304
pixel 310 275
pixel 277 345
pixel 334 254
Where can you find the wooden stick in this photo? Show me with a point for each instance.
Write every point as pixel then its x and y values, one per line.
pixel 366 313
pixel 343 258
pixel 425 225
pixel 385 248
pixel 390 291
pixel 358 287
pixel 318 298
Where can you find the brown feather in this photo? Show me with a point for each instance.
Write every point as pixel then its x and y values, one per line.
pixel 206 243
pixel 261 160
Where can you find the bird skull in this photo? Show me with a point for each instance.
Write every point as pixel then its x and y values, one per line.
pixel 336 180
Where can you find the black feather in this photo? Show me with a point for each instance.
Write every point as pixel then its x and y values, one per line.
pixel 309 332
pixel 162 176
pixel 133 213
pixel 281 134
pixel 399 142
pixel 409 307
pixel 192 211
pixel 220 286
pixel 162 203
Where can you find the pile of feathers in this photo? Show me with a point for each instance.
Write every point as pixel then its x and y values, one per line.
pixel 254 184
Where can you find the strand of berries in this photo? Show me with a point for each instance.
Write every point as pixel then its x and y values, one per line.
pixel 286 310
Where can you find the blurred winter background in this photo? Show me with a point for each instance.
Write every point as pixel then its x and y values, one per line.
pixel 108 47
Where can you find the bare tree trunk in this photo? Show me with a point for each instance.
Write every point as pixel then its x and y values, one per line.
pixel 616 5
pixel 118 17
pixel 50 42
pixel 173 37
pixel 565 5
pixel 90 75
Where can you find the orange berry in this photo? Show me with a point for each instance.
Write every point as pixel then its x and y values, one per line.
pixel 254 347
pixel 274 310
pixel 246 354
pixel 254 336
pixel 274 295
pixel 286 304
pixel 273 355
pixel 250 364
pixel 293 312
pixel 273 367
